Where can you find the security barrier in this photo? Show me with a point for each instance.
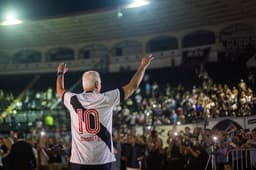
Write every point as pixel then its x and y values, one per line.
pixel 242 159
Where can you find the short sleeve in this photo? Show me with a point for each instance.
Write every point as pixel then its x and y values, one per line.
pixel 66 99
pixel 115 96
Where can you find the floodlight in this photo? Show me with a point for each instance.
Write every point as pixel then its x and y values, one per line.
pixel 138 3
pixel 10 19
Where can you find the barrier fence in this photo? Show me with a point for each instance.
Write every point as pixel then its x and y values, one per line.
pixel 242 159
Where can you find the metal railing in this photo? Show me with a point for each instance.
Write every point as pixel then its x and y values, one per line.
pixel 242 159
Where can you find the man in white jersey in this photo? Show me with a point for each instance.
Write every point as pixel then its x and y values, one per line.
pixel 91 117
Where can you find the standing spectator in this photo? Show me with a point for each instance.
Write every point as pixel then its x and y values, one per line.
pixel 174 153
pixel 42 153
pixel 21 156
pixel 220 155
pixel 131 154
pixel 154 145
pixel 54 151
pixel 252 141
pixel 3 152
pixel 134 152
pixel 196 155
pixel 117 150
pixel 34 148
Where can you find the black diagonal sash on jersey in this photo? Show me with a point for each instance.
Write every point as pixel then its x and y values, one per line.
pixel 104 134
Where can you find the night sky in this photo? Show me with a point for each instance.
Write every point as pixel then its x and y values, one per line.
pixel 38 9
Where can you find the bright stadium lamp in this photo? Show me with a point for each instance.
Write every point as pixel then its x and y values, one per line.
pixel 138 3
pixel 10 19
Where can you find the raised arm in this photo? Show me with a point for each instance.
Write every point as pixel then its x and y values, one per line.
pixel 135 81
pixel 61 70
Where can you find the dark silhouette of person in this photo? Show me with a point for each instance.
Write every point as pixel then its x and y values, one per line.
pixel 21 156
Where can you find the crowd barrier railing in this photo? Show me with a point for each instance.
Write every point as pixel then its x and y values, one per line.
pixel 242 159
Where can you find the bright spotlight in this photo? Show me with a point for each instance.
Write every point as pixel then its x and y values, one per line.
pixel 10 19
pixel 42 133
pixel 215 138
pixel 138 3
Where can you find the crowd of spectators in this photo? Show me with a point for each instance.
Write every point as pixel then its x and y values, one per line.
pixel 50 151
pixel 184 149
pixel 31 108
pixel 152 103
pixel 167 104
pixel 31 100
pixel 6 99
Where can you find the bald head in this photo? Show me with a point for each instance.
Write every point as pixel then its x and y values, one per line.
pixel 91 81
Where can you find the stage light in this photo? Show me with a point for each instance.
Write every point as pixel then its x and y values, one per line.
pixel 138 3
pixel 10 19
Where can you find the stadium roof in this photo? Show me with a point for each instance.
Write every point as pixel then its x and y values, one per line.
pixel 159 16
pixel 35 9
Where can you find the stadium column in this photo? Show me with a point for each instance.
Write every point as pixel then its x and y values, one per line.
pixel 11 53
pixel 144 47
pixel 76 52
pixel 43 52
pixel 179 42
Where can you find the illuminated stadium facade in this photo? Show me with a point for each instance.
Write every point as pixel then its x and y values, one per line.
pixel 82 39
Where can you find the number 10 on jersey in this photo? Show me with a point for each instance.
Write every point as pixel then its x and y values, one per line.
pixel 89 120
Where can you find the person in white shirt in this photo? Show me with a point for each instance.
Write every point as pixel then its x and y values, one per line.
pixel 91 116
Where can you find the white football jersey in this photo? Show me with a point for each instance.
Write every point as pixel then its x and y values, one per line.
pixel 91 125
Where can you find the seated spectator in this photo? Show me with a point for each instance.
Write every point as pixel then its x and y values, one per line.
pixel 251 142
